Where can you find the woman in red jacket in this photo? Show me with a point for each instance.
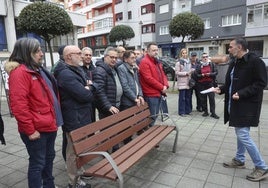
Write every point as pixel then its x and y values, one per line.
pixel 34 103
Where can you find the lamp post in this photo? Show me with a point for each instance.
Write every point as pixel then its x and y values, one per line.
pixel 140 23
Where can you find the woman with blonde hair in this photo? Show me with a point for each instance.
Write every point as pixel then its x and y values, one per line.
pixel 183 71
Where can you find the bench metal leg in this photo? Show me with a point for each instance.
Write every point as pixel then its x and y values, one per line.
pixel 176 136
pixel 111 161
pixel 75 181
pixel 175 141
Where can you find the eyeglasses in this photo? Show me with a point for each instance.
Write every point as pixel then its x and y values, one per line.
pixel 77 53
pixel 205 56
pixel 112 57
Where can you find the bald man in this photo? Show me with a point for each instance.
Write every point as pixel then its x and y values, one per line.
pixel 76 95
pixel 120 50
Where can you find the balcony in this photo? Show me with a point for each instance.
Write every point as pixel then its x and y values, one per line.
pixel 101 3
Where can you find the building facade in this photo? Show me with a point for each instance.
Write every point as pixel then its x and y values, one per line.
pixel 10 10
pixel 140 16
pixel 223 21
pixel 99 22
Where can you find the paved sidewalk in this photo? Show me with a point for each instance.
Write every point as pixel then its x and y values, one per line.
pixel 203 144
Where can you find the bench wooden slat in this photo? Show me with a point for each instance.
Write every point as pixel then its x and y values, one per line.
pixel 92 128
pixel 110 131
pixel 101 136
pixel 109 144
pixel 125 160
pixel 122 150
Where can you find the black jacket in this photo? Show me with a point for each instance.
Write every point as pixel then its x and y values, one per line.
pixel 74 97
pixel 106 95
pixel 249 80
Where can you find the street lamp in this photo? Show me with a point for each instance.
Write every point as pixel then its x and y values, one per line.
pixel 140 23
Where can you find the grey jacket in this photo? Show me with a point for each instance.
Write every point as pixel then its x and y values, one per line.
pixel 131 86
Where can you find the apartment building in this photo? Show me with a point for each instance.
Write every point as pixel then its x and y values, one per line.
pixel 223 21
pixel 165 11
pixel 257 26
pixel 100 20
pixel 10 10
pixel 140 16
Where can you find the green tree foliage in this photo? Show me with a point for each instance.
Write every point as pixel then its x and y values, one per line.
pixel 46 20
pixel 121 33
pixel 186 25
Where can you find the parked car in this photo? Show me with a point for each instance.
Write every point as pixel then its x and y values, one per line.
pixel 169 67
pixel 222 68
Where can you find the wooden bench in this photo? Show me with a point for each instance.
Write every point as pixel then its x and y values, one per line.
pixel 93 140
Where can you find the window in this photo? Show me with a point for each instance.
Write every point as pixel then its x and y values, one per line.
pixel 230 20
pixel 3 40
pixel 150 8
pixel 149 28
pixel 119 16
pixel 129 15
pixel 198 2
pixel 207 23
pixel 257 15
pixel 163 8
pixel 118 1
pixel 104 23
pixel 256 47
pixel 199 51
pixel 163 30
pixel 98 41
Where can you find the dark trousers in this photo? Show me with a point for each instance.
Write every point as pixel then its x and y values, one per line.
pixel 210 96
pixel 197 96
pixel 42 154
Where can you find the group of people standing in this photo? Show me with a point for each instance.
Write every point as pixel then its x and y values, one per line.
pixel 203 73
pixel 42 102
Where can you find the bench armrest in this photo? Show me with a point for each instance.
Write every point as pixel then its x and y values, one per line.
pixel 110 160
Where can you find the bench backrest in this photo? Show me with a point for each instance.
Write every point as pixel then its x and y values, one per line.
pixel 102 135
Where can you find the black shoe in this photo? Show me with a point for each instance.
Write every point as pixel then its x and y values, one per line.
pixel 199 109
pixel 80 184
pixel 214 116
pixel 205 114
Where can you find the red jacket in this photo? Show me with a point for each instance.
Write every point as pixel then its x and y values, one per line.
pixel 30 100
pixel 152 77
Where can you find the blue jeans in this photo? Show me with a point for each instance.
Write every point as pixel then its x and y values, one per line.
pixel 184 104
pixel 154 106
pixel 42 154
pixel 244 142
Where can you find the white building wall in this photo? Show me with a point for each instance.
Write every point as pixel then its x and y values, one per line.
pixel 135 22
pixel 13 10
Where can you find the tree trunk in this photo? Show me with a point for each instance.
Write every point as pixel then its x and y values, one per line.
pixel 50 52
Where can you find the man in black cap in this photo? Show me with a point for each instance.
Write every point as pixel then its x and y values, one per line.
pixel 194 63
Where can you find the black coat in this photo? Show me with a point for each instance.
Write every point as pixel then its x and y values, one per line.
pixel 106 95
pixel 249 80
pixel 74 97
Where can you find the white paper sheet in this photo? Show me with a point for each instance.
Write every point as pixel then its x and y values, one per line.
pixel 207 90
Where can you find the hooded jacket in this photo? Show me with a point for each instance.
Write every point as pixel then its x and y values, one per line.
pixel 30 99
